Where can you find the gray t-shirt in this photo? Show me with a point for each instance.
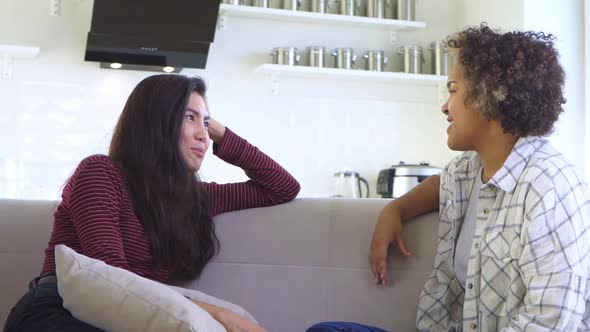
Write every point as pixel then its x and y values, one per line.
pixel 467 231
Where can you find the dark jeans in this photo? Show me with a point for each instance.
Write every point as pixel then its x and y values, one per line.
pixel 41 310
pixel 342 327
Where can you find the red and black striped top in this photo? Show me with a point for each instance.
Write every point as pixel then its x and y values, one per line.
pixel 96 218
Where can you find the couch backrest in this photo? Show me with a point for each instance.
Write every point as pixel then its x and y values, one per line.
pixel 290 265
pixel 25 227
pixel 307 261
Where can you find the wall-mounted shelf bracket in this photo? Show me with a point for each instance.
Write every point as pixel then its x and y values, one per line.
pixel 222 22
pixel 274 79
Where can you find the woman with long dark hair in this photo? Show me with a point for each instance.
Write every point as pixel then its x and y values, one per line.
pixel 142 208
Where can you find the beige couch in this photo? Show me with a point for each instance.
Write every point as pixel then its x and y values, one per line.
pixel 290 265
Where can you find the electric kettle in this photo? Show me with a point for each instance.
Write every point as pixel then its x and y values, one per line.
pixel 348 184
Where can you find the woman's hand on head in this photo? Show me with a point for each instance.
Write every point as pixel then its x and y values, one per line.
pixel 216 130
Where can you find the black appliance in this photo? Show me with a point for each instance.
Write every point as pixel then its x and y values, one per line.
pixel 152 33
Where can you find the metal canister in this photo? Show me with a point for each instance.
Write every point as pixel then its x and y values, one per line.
pixel 285 56
pixel 344 58
pixel 349 7
pixel 379 8
pixel 261 3
pixel 319 6
pixel 441 60
pixel 406 10
pixel 316 56
pixel 291 4
pixel 375 60
pixel 413 58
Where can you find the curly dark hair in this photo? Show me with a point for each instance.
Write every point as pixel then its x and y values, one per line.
pixel 513 77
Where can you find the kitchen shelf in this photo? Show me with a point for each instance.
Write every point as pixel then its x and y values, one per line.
pixel 226 10
pixel 19 51
pixel 334 73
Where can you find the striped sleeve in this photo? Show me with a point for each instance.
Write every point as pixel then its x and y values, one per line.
pixel 94 202
pixel 269 183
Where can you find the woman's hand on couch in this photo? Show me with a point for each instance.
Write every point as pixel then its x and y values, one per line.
pixel 420 200
pixel 229 319
pixel 388 230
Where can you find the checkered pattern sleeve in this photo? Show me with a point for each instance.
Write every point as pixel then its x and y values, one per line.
pixel 554 246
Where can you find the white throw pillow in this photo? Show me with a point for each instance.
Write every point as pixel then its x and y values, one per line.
pixel 202 297
pixel 117 300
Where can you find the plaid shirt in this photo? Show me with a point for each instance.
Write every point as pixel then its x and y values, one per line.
pixel 529 263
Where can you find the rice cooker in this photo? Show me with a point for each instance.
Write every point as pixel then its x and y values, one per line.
pixel 397 180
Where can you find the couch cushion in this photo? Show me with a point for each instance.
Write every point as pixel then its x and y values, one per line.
pixel 114 299
pixel 25 227
pixel 290 265
pixel 307 261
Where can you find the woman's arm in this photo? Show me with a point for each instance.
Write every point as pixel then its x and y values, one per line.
pixel 93 198
pixel 421 199
pixel 269 183
pixel 230 320
pixel 554 259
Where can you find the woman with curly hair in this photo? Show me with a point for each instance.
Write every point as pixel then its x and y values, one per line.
pixel 513 250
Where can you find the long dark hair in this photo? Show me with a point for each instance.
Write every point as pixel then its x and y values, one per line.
pixel 167 197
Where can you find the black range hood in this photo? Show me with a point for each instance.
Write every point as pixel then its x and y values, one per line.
pixel 152 34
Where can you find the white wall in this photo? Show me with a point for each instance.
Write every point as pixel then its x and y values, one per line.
pixel 504 14
pixel 587 79
pixel 564 19
pixel 58 109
